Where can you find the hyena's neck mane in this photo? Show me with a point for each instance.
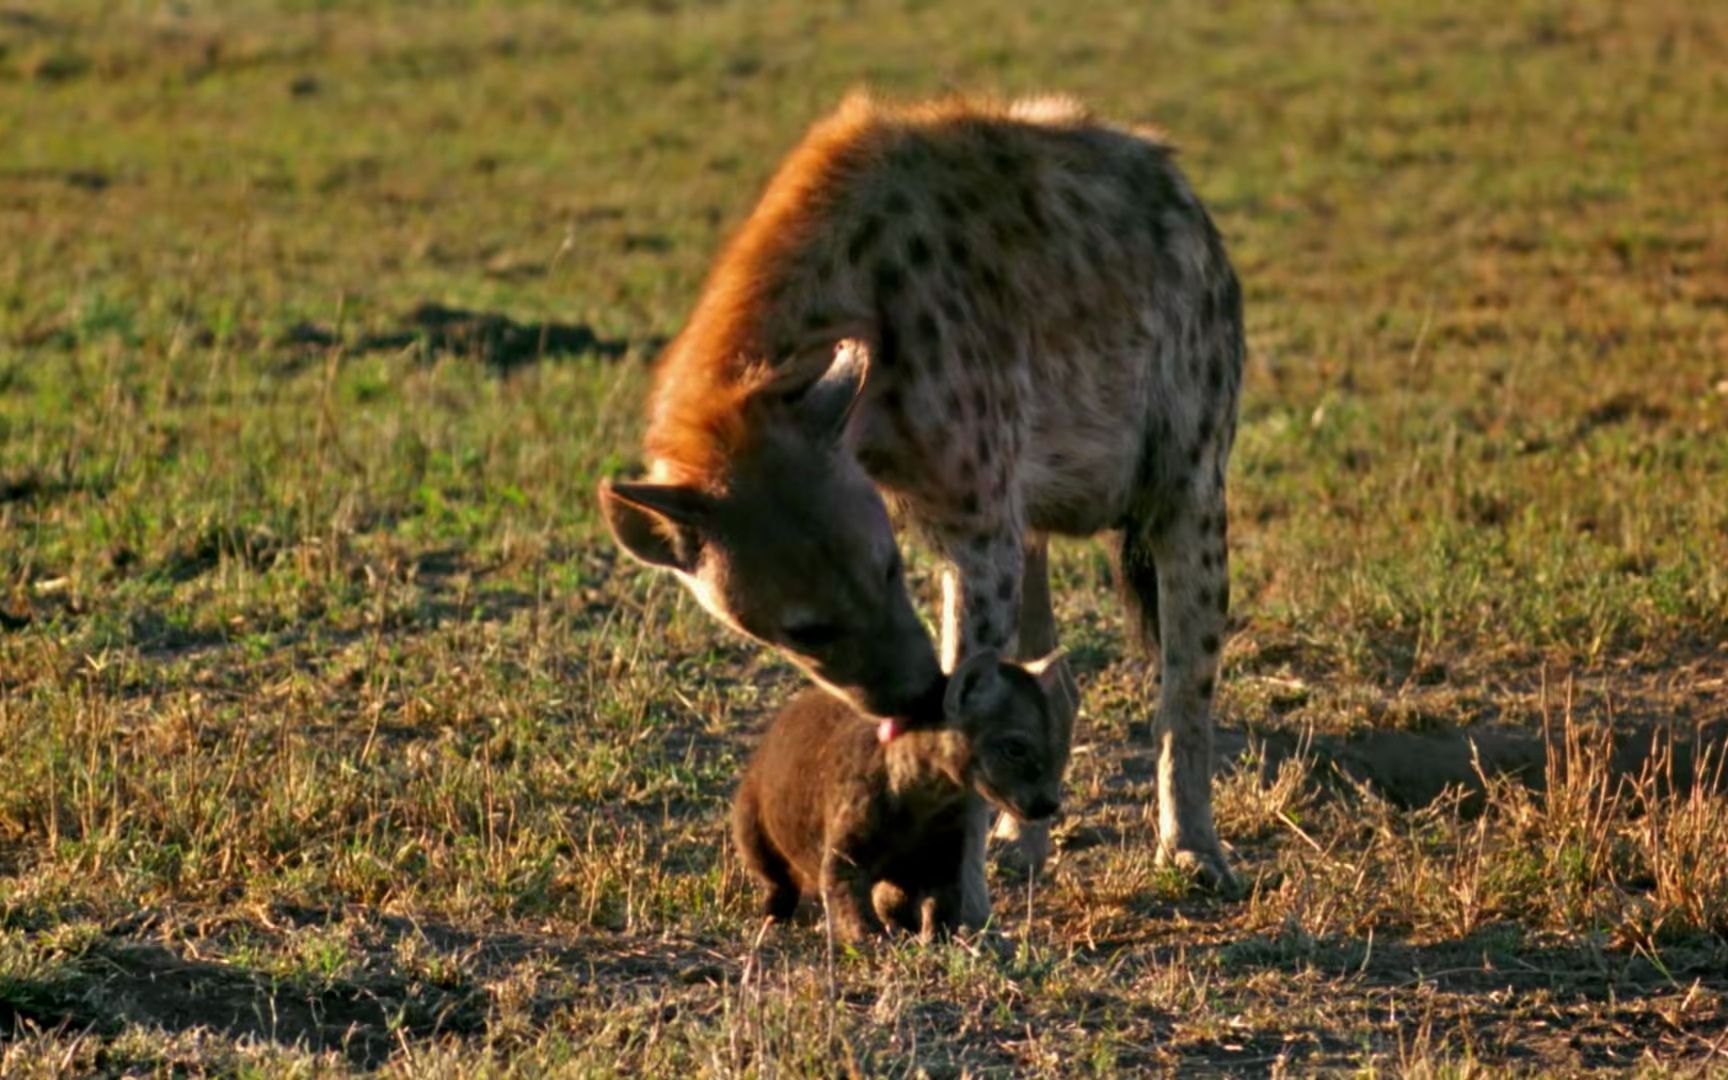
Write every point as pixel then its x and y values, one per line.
pixel 742 337
pixel 789 285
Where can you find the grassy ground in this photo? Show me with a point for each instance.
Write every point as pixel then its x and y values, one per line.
pixel 334 735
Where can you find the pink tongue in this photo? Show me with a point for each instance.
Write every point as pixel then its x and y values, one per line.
pixel 886 730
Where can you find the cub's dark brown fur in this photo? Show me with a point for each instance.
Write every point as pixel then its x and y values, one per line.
pixel 826 809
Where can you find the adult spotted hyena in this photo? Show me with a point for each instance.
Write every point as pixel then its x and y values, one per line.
pixel 1010 320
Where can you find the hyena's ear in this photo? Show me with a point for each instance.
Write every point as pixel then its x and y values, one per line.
pixel 658 524
pixel 824 408
pixel 974 689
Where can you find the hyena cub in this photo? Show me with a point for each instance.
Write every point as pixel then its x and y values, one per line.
pixel 831 807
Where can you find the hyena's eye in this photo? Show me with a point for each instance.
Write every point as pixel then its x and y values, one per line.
pixel 809 636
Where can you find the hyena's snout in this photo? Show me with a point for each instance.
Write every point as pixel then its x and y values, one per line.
pixel 899 675
pixel 1042 806
pixel 888 667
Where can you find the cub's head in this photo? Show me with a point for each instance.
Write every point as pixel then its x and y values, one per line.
pixel 1011 719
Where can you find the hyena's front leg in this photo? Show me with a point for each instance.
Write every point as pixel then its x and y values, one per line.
pixel 980 610
pixel 1176 570
pixel 1035 640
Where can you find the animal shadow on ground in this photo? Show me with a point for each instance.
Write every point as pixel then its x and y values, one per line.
pixel 1413 769
pixel 129 976
pixel 497 341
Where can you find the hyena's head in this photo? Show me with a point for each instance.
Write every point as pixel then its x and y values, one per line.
pixel 1019 744
pixel 795 550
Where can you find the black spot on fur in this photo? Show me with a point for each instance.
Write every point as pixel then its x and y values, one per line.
pixel 888 278
pixel 980 400
pixel 897 203
pixel 929 332
pixel 958 252
pixel 1230 297
pixel 864 239
pixel 1030 207
pixel 1210 644
pixel 918 251
pixel 1159 235
pixel 1152 177
pixel 969 503
pixel 1206 687
pixel 1194 456
pixel 1009 230
pixel 1003 160
pixel 947 204
pixel 887 351
pixel 1005 588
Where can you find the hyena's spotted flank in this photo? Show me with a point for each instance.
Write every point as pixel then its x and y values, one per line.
pixel 1010 320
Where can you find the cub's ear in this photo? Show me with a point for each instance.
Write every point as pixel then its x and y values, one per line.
pixel 1048 671
pixel 658 524
pixel 974 688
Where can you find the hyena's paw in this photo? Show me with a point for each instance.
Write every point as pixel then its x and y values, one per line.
pixel 1209 869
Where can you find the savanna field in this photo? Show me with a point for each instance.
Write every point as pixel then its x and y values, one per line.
pixel 336 735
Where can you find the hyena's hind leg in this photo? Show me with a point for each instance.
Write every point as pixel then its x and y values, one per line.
pixel 1175 565
pixel 1037 639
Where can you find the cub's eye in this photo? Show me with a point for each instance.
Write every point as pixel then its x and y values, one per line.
pixel 1016 751
pixel 809 636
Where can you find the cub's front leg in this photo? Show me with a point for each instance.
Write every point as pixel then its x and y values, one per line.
pixel 941 911
pixel 846 865
pixel 846 896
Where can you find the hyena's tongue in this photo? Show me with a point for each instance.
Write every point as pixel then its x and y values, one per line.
pixel 886 730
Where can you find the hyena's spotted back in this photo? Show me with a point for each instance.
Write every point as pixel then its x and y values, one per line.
pixel 1054 327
